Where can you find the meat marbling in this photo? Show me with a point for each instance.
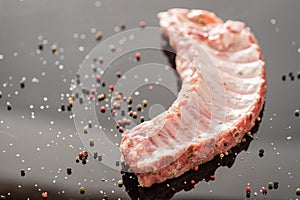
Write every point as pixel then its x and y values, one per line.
pixel 218 103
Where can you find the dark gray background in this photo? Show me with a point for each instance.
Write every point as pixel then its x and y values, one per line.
pixel 21 22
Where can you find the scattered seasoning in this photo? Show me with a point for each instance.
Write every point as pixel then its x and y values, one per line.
pixel 276 184
pixel 111 87
pixel 142 24
pixel 142 118
pixel 22 83
pixel 297 112
pixel 54 48
pixel 120 183
pixel 129 108
pixel 270 185
pixel 95 155
pixel 291 74
pixel 100 158
pixel 283 77
pixel 261 153
pixel 98 78
pixel 103 109
pixel 298 191
pixel 41 47
pixel 69 171
pixel 134 115
pixel 117 163
pixel 258 119
pixel 139 107
pixel 243 140
pixel 119 74
pixel 22 172
pixel 130 113
pixel 77 159
pixel 248 189
pixel 292 78
pixel 212 177
pixel 2 197
pixel 150 87
pixel 70 101
pixel 85 129
pixel 193 182
pixel 101 97
pixel 121 129
pixel 45 195
pixel 63 107
pixel 298 74
pixel 0 94
pixel 82 190
pixel 145 102
pixel 90 124
pixel 123 26
pixel 8 105
pixel 264 190
pixel 129 100
pixel 101 59
pixel 221 155
pixel 138 56
pixel 196 168
pixel 92 142
pixel 69 108
pixel 99 35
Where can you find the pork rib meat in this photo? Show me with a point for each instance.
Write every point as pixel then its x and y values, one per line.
pixel 217 104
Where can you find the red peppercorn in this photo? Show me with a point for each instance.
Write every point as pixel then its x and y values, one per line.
pixel 264 190
pixel 111 87
pixel 45 195
pixel 102 109
pixel 196 168
pixel 142 24
pixel 150 87
pixel 98 77
pixel 248 189
pixel 193 182
pixel 212 177
pixel 113 112
pixel 138 55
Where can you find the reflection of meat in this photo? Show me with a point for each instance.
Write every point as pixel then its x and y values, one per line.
pixel 223 89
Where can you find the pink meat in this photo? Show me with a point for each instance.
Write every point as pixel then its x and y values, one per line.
pixel 223 90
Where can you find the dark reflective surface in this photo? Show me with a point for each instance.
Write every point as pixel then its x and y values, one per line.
pixel 36 137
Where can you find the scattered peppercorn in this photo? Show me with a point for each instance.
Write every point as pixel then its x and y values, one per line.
pixel 22 83
pixel 142 118
pixel 134 115
pixel 248 189
pixel 196 168
pixel 123 26
pixel 297 112
pixel 129 100
pixel 0 94
pixel 69 108
pixel 243 140
pixel 63 107
pixel 145 102
pixel 69 171
pixel 99 35
pixel 120 183
pixel 103 109
pixel 111 87
pixel 283 77
pixel 142 24
pixel 8 105
pixel 298 191
pixel 264 190
pixel 138 56
pixel 98 78
pixel 41 47
pixel 77 159
pixel 85 129
pixel 101 97
pixel 193 182
pixel 92 142
pixel 139 107
pixel 22 172
pixel 270 185
pixel 276 184
pixel 298 74
pixel 45 195
pixel 82 190
pixel 54 48
pixel 119 74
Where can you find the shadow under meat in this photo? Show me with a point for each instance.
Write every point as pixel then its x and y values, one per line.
pixel 205 172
